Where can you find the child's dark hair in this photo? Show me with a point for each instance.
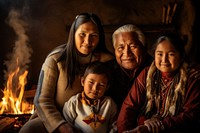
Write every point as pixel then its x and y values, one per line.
pixel 97 67
pixel 175 39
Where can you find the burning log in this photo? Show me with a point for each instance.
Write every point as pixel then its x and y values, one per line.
pixel 12 123
pixel 6 123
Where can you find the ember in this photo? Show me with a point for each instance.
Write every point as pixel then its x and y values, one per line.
pixel 12 123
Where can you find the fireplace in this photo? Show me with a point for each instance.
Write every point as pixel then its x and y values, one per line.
pixel 16 104
pixel 12 123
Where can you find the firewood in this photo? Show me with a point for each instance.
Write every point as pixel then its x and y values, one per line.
pixel 6 123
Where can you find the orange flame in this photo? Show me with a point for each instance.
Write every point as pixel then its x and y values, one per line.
pixel 13 102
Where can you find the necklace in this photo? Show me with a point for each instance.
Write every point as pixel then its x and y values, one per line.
pixel 95 110
pixel 165 84
pixel 94 106
pixel 165 88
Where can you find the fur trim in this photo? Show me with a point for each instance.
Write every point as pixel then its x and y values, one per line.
pixel 176 93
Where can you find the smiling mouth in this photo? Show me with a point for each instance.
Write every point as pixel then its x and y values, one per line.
pixel 128 60
pixel 165 64
pixel 85 47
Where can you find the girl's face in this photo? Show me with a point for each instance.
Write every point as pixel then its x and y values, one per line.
pixel 94 85
pixel 86 38
pixel 167 58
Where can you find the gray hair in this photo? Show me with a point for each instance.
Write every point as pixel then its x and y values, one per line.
pixel 129 28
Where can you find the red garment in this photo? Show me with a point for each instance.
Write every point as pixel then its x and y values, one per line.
pixel 132 113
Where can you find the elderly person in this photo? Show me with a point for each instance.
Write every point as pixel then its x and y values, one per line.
pixel 131 58
pixel 165 97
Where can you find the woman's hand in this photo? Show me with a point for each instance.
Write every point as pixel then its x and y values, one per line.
pixel 138 129
pixel 154 125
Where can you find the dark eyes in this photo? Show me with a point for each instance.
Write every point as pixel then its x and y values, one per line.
pixel 95 35
pixel 82 34
pixel 99 84
pixel 92 35
pixel 90 82
pixel 169 54
pixel 131 47
pixel 120 48
pixel 102 85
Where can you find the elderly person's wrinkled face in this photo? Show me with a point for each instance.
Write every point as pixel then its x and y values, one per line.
pixel 128 50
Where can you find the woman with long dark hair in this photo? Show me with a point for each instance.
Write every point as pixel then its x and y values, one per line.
pixel 61 73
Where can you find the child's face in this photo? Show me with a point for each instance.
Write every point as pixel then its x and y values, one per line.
pixel 167 58
pixel 94 85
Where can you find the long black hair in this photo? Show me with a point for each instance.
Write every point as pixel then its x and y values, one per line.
pixel 71 56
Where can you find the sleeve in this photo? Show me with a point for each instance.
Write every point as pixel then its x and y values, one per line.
pixel 188 117
pixel 194 71
pixel 132 104
pixel 44 99
pixel 69 110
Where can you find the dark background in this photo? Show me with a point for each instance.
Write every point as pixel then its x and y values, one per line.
pixel 45 23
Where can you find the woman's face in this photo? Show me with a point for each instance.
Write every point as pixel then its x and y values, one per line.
pixel 167 58
pixel 86 38
pixel 94 85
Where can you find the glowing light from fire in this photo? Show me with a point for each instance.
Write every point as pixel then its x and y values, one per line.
pixel 17 69
pixel 13 102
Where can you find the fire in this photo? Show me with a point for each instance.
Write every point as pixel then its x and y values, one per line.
pixel 12 101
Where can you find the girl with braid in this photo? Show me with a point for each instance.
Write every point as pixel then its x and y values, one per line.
pixel 165 97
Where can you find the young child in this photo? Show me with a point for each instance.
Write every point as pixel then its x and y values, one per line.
pixel 91 111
